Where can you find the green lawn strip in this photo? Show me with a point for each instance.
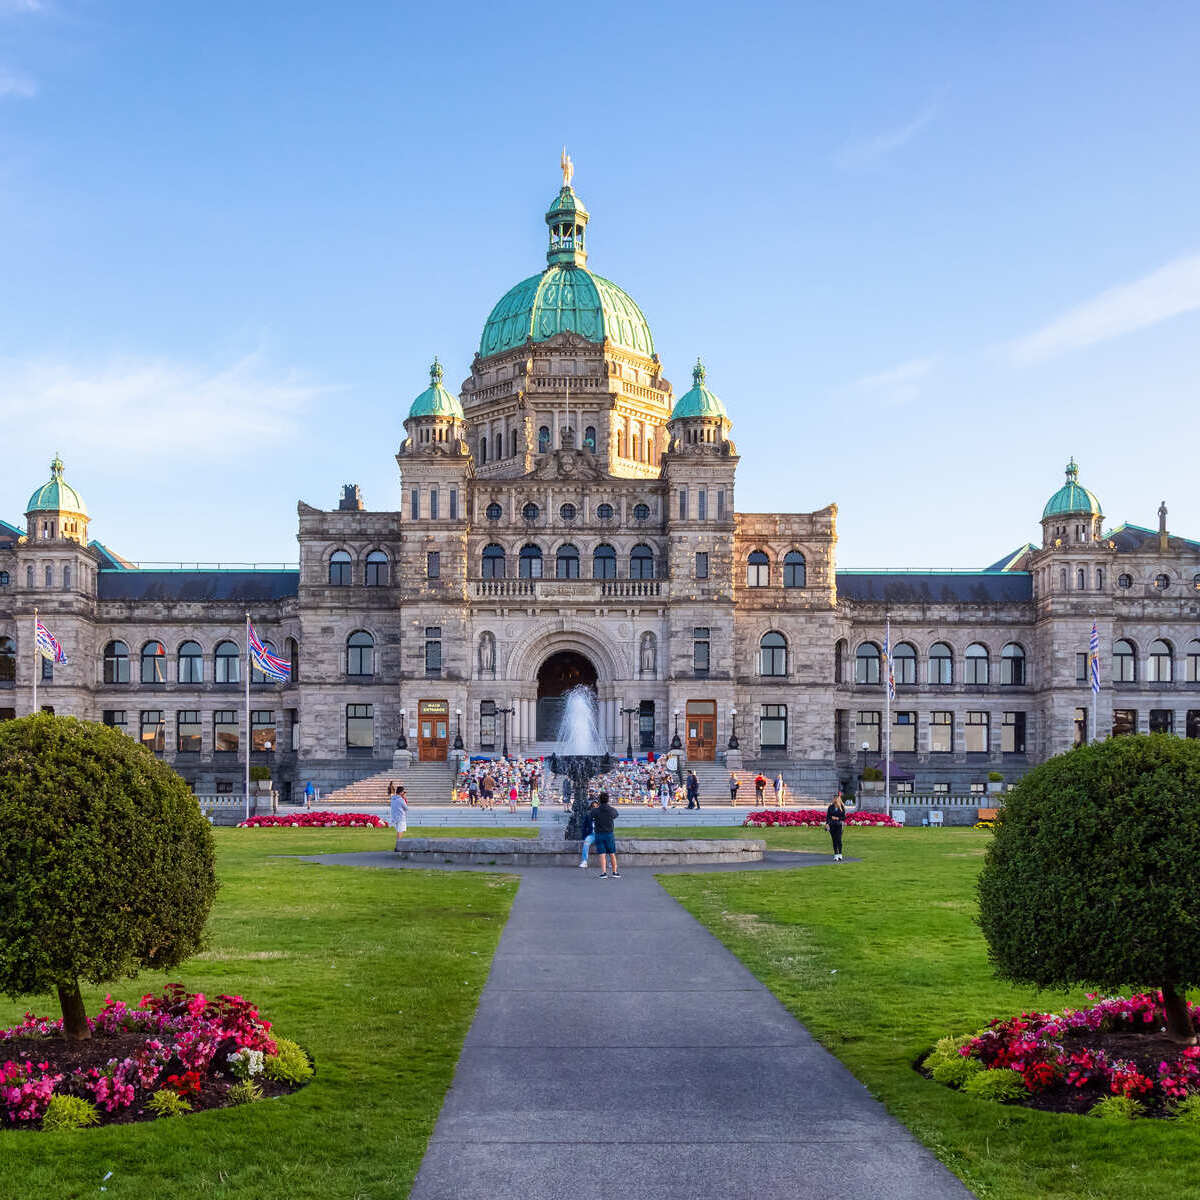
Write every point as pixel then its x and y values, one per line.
pixel 879 959
pixel 376 973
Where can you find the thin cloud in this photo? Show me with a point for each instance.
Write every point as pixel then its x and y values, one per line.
pixel 20 6
pixel 1169 292
pixel 899 384
pixel 856 155
pixel 13 83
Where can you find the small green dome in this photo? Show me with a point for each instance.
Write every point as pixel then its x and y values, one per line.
pixel 57 495
pixel 699 402
pixel 435 400
pixel 1071 498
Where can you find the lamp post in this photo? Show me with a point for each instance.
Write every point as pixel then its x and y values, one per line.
pixel 866 749
pixel 458 742
pixel 629 731
pixel 733 742
pixel 505 713
pixel 676 744
pixel 402 740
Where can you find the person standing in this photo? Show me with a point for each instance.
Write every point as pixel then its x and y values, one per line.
pixel 309 793
pixel 398 810
pixel 664 795
pixel 512 797
pixel 778 789
pixel 760 784
pixel 693 790
pixel 533 798
pixel 603 816
pixel 835 816
pixel 589 832
pixel 733 789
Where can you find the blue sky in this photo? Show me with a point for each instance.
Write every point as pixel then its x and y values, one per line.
pixel 927 251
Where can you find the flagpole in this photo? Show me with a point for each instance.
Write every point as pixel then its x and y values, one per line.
pixel 887 728
pixel 247 780
pixel 1094 672
pixel 37 661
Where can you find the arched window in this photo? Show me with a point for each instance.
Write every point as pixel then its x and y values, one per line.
pixel 641 562
pixel 1012 665
pixel 795 571
pixel 544 439
pixel 256 676
pixel 941 664
pixel 1081 580
pixel 293 653
pixel 530 512
pixel 568 512
pixel 339 569
pixel 498 441
pixel 758 569
pixel 360 653
pixel 1193 661
pixel 29 577
pixel 604 512
pixel 1124 581
pixel 976 667
pixel 483 449
pixel 154 663
pixel 530 563
pixel 49 576
pixel 772 654
pixel 604 562
pixel 866 663
pixel 1158 662
pixel 1124 662
pixel 8 663
pixel 191 663
pixel 376 570
pixel 641 512
pixel 589 439
pixel 1162 582
pixel 566 563
pixel 1099 579
pixel 4 579
pixel 493 561
pixel 493 512
pixel 512 443
pixel 67 578
pixel 839 661
pixel 116 663
pixel 226 663
pixel 1062 579
pixel 904 663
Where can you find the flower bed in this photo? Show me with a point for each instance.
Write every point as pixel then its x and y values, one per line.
pixel 174 1053
pixel 312 820
pixel 813 817
pixel 1078 1060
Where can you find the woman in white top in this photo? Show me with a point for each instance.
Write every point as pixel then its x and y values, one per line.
pixel 398 806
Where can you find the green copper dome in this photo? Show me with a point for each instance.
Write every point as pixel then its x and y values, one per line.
pixel 566 296
pixel 435 400
pixel 57 495
pixel 1071 498
pixel 699 402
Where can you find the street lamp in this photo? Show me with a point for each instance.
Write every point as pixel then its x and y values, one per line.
pixel 676 744
pixel 866 749
pixel 505 713
pixel 402 740
pixel 733 742
pixel 458 742
pixel 629 731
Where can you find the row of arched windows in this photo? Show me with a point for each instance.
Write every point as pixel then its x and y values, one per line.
pixel 1159 662
pixel 226 664
pixel 758 569
pixel 375 569
pixel 939 668
pixel 567 562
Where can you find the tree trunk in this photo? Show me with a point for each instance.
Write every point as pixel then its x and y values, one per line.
pixel 75 1026
pixel 1179 1024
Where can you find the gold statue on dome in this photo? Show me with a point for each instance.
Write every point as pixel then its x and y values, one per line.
pixel 568 167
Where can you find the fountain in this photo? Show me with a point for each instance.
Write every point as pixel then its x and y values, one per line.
pixel 582 753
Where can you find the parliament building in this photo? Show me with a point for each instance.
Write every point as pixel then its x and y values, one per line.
pixel 568 519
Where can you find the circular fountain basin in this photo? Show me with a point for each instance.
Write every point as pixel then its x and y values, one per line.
pixel 559 852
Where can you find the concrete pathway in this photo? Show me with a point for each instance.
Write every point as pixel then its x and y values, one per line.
pixel 619 1050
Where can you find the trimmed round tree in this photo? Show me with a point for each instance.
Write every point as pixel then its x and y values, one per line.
pixel 106 862
pixel 1093 874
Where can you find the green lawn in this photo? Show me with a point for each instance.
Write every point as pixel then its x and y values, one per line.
pixel 879 958
pixel 376 973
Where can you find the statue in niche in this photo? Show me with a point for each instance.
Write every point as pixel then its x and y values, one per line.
pixel 649 654
pixel 487 655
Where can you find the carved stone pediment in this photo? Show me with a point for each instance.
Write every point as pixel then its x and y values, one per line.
pixel 569 464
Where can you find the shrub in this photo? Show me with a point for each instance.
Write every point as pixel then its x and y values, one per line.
pixel 1187 1109
pixel 1002 1085
pixel 245 1091
pixel 260 774
pixel 107 861
pixel 993 777
pixel 1117 1108
pixel 166 1103
pixel 872 775
pixel 69 1112
pixel 289 1063
pixel 1079 887
pixel 957 1071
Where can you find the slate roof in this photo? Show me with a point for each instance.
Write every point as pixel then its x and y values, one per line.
pixel 936 587
pixel 1128 539
pixel 242 587
pixel 9 535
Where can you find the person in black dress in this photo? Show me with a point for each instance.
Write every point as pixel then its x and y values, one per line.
pixel 835 814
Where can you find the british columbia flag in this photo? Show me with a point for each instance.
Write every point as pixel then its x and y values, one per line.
pixel 48 645
pixel 271 665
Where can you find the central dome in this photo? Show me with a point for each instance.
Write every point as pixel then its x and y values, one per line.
pixel 566 296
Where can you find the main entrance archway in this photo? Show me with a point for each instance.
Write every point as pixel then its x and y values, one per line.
pixel 556 677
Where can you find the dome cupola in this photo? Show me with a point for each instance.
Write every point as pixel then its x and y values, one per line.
pixel 435 422
pixel 1072 514
pixel 56 509
pixel 435 400
pixel 699 422
pixel 698 401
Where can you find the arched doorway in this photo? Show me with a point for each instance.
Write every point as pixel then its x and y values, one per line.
pixel 556 677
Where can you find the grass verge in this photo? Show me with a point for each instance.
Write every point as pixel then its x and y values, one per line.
pixel 376 973
pixel 879 958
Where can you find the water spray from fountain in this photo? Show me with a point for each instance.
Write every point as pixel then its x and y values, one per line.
pixel 581 752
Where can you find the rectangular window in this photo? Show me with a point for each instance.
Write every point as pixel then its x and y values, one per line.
pixel 224 787
pixel 1162 720
pixel 902 788
pixel 941 732
pixel 187 732
pixel 701 564
pixel 262 730
pixel 646 724
pixel 433 564
pixel 867 734
pixel 841 731
pixel 700 650
pixel 1193 723
pixel 153 730
pixel 454 498
pixel 8 714
pixel 115 718
pixel 702 504
pixel 433 650
pixel 487 724
pixel 720 504
pixel 1013 733
pixel 975 733
pixel 1124 721
pixel 683 504
pixel 47 670
pixel 1081 667
pixel 415 502
pixel 225 731
pixel 433 503
pixel 360 727
pixel 293 717
pixel 941 789
pixel 772 727
pixel 904 733
pixel 1081 727
pixel 977 789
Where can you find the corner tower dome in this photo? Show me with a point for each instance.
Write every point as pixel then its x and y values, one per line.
pixel 435 400
pixel 57 495
pixel 699 401
pixel 566 296
pixel 1071 498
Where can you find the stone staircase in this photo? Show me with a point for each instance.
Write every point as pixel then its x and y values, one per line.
pixel 714 787
pixel 424 783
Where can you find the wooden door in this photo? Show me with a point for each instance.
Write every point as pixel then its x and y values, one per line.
pixel 433 730
pixel 702 730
